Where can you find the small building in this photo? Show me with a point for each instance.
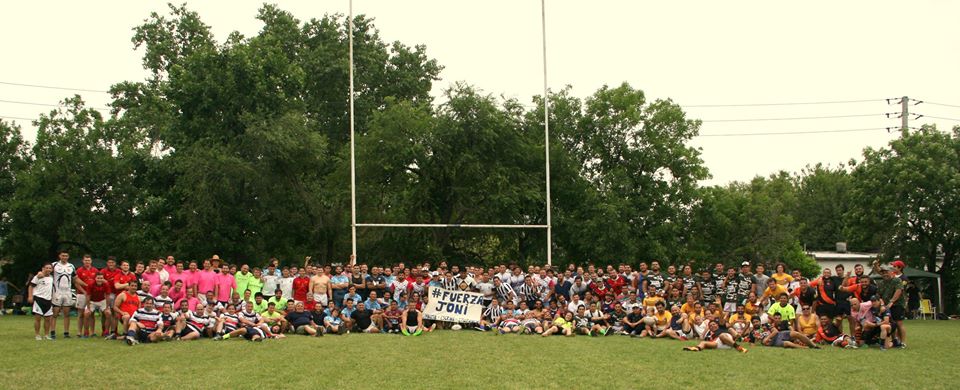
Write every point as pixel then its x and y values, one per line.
pixel 830 259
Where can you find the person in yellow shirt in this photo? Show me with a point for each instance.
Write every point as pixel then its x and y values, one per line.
pixel 807 322
pixel 781 276
pixel 773 290
pixel 562 325
pixel 652 297
pixel 739 322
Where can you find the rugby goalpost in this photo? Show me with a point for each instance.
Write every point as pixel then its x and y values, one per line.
pixel 546 136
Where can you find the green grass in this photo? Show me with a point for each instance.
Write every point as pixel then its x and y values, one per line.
pixel 465 359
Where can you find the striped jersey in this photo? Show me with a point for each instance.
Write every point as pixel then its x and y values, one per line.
pixel 230 322
pixel 148 320
pixel 251 316
pixel 493 313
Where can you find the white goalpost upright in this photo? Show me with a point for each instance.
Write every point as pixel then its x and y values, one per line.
pixel 546 134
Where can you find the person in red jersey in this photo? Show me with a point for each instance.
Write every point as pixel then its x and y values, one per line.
pixel 97 302
pixel 124 307
pixel 301 284
pixel 87 275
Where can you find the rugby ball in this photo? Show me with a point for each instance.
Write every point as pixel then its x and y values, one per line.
pixel 649 321
pixel 456 327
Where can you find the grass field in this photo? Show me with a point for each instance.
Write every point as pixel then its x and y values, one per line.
pixel 466 359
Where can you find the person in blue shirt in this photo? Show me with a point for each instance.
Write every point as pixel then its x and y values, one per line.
pixel 348 309
pixel 333 323
pixel 372 303
pixel 351 296
pixel 340 283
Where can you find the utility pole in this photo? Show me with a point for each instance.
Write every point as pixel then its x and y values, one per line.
pixel 904 113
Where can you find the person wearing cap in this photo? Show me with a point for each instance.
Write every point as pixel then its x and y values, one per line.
pixel 891 292
pixel 744 283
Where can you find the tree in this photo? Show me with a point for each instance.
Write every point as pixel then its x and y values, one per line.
pixel 822 200
pixel 906 200
pixel 749 221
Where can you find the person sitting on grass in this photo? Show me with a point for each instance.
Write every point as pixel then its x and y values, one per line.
pixel 715 338
pixel 302 321
pixel 784 336
pixel 508 323
pixel 531 323
pixel 391 317
pixel 829 333
pixel 144 325
pixel 633 322
pixel 333 324
pixel 675 329
pixel 563 324
pixel 412 321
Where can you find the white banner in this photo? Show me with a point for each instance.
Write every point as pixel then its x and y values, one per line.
pixel 453 306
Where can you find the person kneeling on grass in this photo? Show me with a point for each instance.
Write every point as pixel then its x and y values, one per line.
pixel 562 324
pixel 412 321
pixel 714 338
pixel 144 325
pixel 392 317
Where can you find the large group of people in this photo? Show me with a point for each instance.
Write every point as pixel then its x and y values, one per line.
pixel 720 308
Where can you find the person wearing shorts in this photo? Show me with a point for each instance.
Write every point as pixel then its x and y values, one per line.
pixel 86 276
pixel 412 321
pixel 715 338
pixel 302 321
pixel 362 319
pixel 64 296
pixel 96 302
pixel 145 325
pixel 40 293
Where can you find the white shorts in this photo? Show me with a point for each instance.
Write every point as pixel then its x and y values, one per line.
pixel 370 329
pixel 64 299
pixel 98 306
pixel 730 307
pixel 721 345
pixel 81 301
pixel 320 299
pixel 111 298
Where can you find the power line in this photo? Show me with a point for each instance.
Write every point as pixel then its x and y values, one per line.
pixel 938 117
pixel 52 87
pixel 17 118
pixel 789 119
pixel 935 103
pixel 798 132
pixel 47 104
pixel 782 104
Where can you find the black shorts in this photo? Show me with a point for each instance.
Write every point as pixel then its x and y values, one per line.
pixel 143 336
pixel 897 313
pixel 190 329
pixel 843 308
pixel 251 331
pixel 827 310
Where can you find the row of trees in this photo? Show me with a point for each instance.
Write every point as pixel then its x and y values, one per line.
pixel 241 148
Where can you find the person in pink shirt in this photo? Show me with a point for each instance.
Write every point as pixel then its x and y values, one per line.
pixel 191 299
pixel 192 275
pixel 171 266
pixel 151 275
pixel 226 285
pixel 206 279
pixel 178 274
pixel 177 292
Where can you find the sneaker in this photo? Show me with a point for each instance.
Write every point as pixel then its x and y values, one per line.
pixel 903 346
pixel 110 336
pixel 741 349
pixel 130 341
pixel 39 338
pixel 883 347
pixel 50 337
pixel 850 346
pixel 217 338
pixel 66 335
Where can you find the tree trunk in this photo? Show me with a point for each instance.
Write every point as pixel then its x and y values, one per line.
pixel 946 278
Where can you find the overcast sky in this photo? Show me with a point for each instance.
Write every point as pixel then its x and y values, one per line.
pixel 694 52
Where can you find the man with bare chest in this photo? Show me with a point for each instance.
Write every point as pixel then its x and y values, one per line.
pixel 320 287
